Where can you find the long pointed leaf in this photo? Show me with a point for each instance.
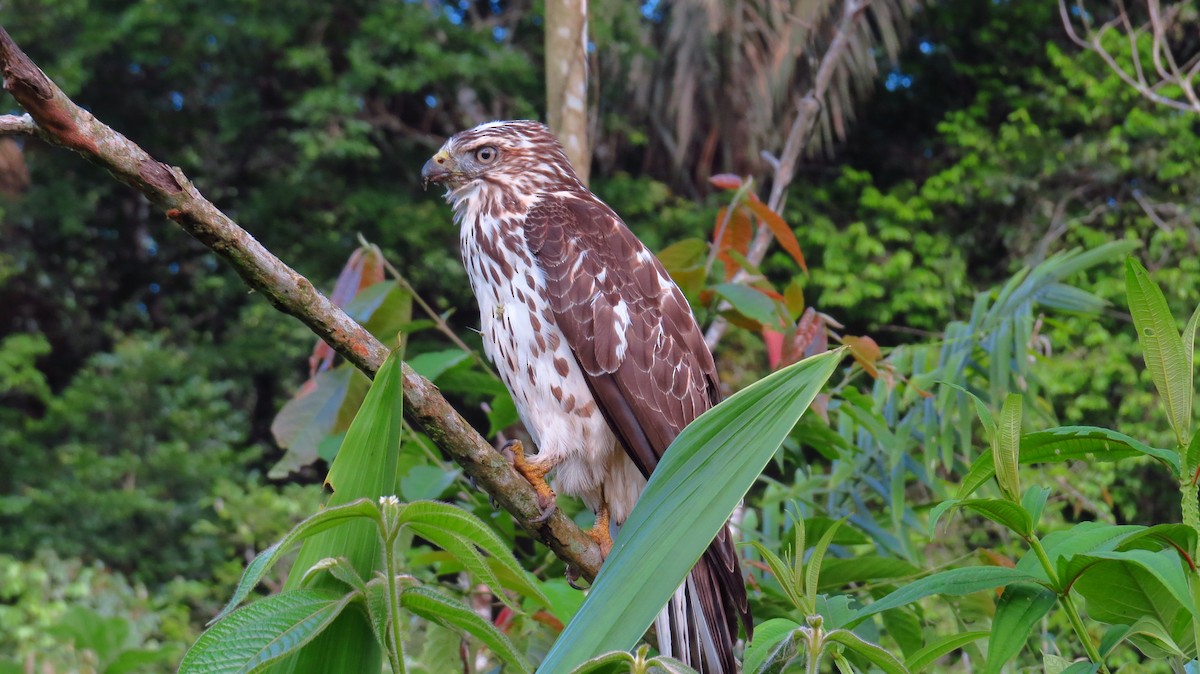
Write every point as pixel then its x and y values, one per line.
pixel 698 483
pixel 448 612
pixel 1162 347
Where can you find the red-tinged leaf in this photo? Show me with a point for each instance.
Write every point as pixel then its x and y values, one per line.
pixel 732 231
pixel 996 559
pixel 865 351
pixel 362 270
pixel 793 298
pixel 783 234
pixel 548 620
pixel 726 181
pixel 766 289
pixel 820 406
pixel 773 339
pixel 809 337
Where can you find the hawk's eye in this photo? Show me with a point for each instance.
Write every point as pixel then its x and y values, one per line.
pixel 486 154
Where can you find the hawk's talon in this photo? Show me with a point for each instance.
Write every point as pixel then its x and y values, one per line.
pixel 535 475
pixel 600 532
pixel 572 576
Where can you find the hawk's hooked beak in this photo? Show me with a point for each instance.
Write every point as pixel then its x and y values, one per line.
pixel 439 169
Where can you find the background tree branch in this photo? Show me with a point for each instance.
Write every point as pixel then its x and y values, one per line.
pixel 54 118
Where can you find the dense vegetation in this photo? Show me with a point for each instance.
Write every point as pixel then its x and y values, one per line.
pixel 139 381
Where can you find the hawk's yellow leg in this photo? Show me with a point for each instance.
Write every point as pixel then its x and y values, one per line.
pixel 535 475
pixel 600 532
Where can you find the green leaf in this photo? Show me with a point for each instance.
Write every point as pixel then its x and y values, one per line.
pixel 468 528
pixel 1033 502
pixel 613 662
pixel 322 521
pixel 1020 608
pixel 951 582
pixel 766 637
pixel 1180 537
pixel 875 654
pixel 939 647
pixel 1162 347
pixel 1007 447
pixel 749 302
pixel 1068 443
pixel 785 576
pixel 308 418
pixel 813 573
pixel 448 612
pixel 698 483
pixel 254 636
pixel 981 409
pixel 365 467
pixel 1152 584
pixel 904 627
pixel 1003 512
pixel 837 573
pixel 339 568
pixel 431 365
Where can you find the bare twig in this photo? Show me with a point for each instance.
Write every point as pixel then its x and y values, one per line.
pixel 17 125
pixel 1168 73
pixel 60 122
pixel 807 112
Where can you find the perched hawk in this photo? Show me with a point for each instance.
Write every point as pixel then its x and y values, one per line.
pixel 598 346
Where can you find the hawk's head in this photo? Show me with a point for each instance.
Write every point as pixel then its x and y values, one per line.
pixel 519 155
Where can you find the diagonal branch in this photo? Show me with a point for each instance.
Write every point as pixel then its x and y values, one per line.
pixel 54 118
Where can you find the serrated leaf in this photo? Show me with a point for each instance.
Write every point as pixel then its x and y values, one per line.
pixel 1068 443
pixel 1004 513
pixel 1019 609
pixel 338 567
pixel 322 521
pixel 875 654
pixel 449 612
pixel 1007 447
pixel 256 635
pixel 1162 347
pixel 766 637
pixel 471 529
pixel 939 647
pixel 723 451
pixel 784 575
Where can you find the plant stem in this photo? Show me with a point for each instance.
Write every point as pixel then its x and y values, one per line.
pixel 1191 517
pixel 1068 605
pixel 396 651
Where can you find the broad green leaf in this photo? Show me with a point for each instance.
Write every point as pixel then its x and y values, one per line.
pixel 1005 513
pixel 940 646
pixel 749 302
pixel 468 527
pixel 766 636
pixel 904 627
pixel 1192 458
pixel 1007 447
pixel 1162 347
pixel 837 573
pixel 812 575
pixel 448 612
pixel 1020 607
pixel 1151 583
pixel 462 549
pixel 700 480
pixel 1082 668
pixel 786 649
pixel 322 521
pixel 1181 537
pixel 1147 635
pixel 1083 538
pixel 1068 443
pixel 952 582
pixel 876 655
pixel 431 365
pixel 258 634
pixel 365 467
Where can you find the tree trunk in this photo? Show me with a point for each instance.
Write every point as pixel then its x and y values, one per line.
pixel 567 79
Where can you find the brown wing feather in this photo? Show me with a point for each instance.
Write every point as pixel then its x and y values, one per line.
pixel 651 374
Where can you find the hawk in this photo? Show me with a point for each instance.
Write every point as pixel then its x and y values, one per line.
pixel 598 346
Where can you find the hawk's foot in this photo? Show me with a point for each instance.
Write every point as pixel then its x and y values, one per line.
pixel 535 475
pixel 600 532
